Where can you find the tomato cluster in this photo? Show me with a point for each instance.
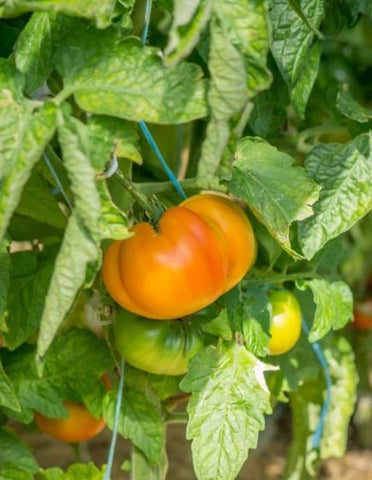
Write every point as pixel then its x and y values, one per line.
pixel 201 250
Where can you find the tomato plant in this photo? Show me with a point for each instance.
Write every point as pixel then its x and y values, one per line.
pixel 202 249
pixel 163 348
pixel 189 162
pixel 285 327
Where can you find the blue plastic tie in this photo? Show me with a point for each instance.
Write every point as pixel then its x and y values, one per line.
pixel 56 179
pixel 143 125
pixel 110 458
pixel 317 437
pixel 155 148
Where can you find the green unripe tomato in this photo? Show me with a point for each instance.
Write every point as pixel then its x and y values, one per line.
pixel 163 347
pixel 285 326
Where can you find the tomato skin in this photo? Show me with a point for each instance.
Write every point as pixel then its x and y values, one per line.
pixel 79 426
pixel 236 228
pixel 285 327
pixel 162 348
pixel 363 315
pixel 203 248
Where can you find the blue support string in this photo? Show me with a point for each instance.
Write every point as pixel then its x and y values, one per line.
pixel 110 458
pixel 148 9
pixel 317 437
pixel 155 148
pixel 143 125
pixel 57 180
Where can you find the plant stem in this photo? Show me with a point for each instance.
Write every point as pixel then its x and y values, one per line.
pixel 62 95
pixel 176 400
pixel 290 277
pixel 176 417
pixel 142 470
pixel 157 188
pixel 137 194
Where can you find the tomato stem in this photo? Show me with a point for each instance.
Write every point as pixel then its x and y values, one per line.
pixel 138 195
pixel 290 277
pixel 176 417
pixel 165 188
pixel 172 402
pixel 62 95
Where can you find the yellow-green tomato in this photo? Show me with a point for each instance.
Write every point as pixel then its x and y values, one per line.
pixel 285 327
pixel 163 348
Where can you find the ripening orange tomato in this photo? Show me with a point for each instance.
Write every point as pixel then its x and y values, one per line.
pixel 79 426
pixel 201 250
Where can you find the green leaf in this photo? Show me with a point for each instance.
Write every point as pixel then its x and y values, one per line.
pixel 74 140
pixel 101 69
pixel 113 135
pixel 140 420
pixel 334 306
pixel 15 474
pixel 112 223
pixel 4 281
pixel 30 278
pixel 77 471
pixel 73 369
pixel 341 363
pixel 78 253
pixel 345 175
pixel 349 107
pixel 188 22
pixel 23 137
pixel 165 386
pixel 34 49
pixel 38 202
pixel 292 46
pixel 220 326
pixel 257 178
pixel 255 313
pixel 226 410
pixel 239 43
pixel 8 396
pixel 13 453
pixel 269 107
pixel 301 90
pixel 100 12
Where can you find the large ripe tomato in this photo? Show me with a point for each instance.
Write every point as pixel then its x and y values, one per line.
pixel 163 348
pixel 285 327
pixel 202 249
pixel 363 315
pixel 79 426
